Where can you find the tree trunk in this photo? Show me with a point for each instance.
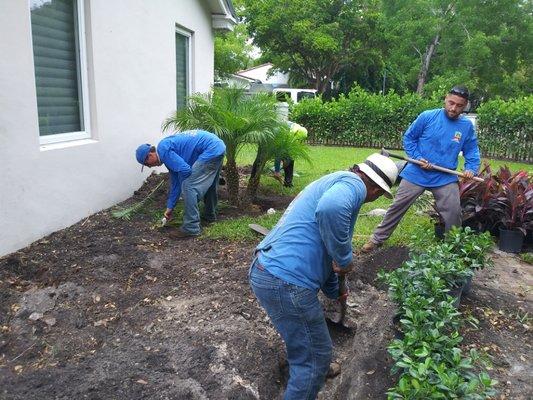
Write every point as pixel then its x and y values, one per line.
pixel 424 69
pixel 232 176
pixel 253 182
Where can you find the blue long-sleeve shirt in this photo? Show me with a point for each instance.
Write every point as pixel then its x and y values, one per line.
pixel 439 139
pixel 180 151
pixel 316 228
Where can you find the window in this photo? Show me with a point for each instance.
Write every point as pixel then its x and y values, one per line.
pixel 60 73
pixel 183 75
pixel 305 95
pixel 283 96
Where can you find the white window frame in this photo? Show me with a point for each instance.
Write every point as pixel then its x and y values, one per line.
pixel 82 83
pixel 189 36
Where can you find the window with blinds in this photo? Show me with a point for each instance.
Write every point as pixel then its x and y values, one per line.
pixel 182 69
pixel 56 50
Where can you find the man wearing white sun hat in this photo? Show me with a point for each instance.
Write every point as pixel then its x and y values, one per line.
pixel 308 249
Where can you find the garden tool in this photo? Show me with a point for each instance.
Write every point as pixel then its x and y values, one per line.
pixel 337 323
pixel 386 153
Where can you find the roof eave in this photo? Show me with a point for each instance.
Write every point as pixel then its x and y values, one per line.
pixel 223 22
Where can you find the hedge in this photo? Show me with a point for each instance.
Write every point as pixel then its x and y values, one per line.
pixel 363 119
pixel 505 129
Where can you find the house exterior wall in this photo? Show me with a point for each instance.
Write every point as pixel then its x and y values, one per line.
pixel 132 76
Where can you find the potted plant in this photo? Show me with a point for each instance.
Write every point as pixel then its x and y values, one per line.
pixel 476 201
pixel 514 208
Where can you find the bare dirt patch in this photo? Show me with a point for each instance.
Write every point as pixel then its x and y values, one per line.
pixel 501 299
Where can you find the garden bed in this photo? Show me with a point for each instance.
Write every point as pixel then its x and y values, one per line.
pixel 118 309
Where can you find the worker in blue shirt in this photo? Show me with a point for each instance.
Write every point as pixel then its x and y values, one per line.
pixel 194 160
pixel 305 252
pixel 435 137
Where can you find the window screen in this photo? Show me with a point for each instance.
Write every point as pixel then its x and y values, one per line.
pixel 182 69
pixel 56 58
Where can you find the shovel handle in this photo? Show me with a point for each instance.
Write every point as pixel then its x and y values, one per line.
pixel 435 167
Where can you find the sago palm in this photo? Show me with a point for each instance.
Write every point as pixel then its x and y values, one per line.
pixel 233 115
pixel 283 144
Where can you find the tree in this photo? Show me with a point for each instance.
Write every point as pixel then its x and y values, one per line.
pixel 284 144
pixel 485 44
pixel 232 51
pixel 314 39
pixel 237 118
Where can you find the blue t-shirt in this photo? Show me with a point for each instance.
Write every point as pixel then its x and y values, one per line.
pixel 316 228
pixel 439 139
pixel 180 151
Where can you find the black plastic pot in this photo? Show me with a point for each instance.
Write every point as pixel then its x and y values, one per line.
pixel 456 292
pixel 529 237
pixel 511 240
pixel 467 287
pixel 398 334
pixel 439 230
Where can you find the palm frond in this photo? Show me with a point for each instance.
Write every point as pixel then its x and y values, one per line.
pixel 127 212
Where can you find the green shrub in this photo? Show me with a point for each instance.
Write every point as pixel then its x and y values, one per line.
pixel 428 359
pixel 361 119
pixel 505 128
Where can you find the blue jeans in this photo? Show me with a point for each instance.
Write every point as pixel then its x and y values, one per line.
pixel 297 315
pixel 201 184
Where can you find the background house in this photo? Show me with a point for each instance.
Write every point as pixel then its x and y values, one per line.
pixel 82 84
pixel 263 74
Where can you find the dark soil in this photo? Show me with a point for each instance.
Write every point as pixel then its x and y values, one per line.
pixel 502 301
pixel 114 309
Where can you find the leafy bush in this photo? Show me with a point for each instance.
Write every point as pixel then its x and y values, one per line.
pixel 505 128
pixel 503 199
pixel 428 357
pixel 360 119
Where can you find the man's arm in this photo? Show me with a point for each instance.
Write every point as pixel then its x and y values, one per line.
pixel 174 191
pixel 334 217
pixel 331 287
pixel 471 153
pixel 411 136
pixel 177 164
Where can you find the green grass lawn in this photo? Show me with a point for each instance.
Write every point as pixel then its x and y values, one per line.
pixel 326 160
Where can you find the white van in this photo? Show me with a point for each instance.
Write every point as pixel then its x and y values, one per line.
pixel 296 95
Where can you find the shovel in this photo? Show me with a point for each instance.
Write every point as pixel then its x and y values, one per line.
pixel 337 323
pixel 386 153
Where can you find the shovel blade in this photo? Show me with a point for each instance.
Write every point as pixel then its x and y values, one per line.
pixel 259 229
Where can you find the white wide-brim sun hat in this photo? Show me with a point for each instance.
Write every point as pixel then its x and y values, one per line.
pixel 382 170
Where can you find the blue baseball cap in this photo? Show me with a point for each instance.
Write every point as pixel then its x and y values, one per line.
pixel 142 152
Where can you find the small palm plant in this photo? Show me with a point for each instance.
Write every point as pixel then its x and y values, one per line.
pixel 284 144
pixel 236 117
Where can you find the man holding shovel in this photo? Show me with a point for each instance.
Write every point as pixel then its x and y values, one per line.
pixel 436 137
pixel 307 251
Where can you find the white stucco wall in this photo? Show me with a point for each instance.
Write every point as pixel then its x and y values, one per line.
pixel 132 75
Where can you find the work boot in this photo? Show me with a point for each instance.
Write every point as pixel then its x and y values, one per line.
pixel 334 370
pixel 369 247
pixel 179 234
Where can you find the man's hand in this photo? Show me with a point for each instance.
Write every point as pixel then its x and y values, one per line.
pixel 426 165
pixel 168 214
pixel 468 174
pixel 341 271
